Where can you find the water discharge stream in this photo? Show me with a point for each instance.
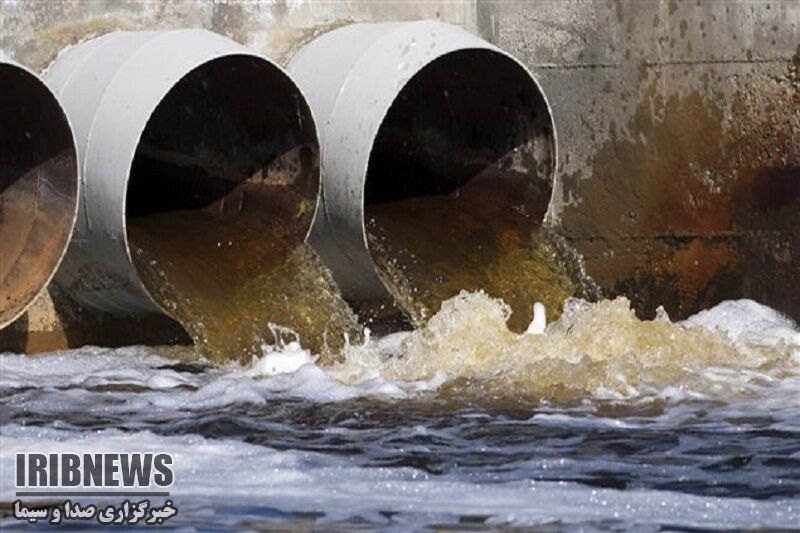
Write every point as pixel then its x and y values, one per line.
pixel 473 247
pixel 249 274
pixel 222 192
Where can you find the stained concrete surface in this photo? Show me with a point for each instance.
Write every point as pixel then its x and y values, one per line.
pixel 678 126
pixel 679 141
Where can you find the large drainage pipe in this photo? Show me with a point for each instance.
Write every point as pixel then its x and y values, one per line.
pixel 187 141
pixel 439 156
pixel 38 188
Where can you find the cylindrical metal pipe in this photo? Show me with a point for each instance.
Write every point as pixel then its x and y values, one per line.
pixel 176 121
pixel 39 187
pixel 421 110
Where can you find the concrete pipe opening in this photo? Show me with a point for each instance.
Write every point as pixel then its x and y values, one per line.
pixel 38 188
pixel 459 180
pixel 201 164
pixel 438 169
pixel 223 187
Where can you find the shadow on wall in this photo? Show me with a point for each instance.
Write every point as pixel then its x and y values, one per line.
pixel 57 322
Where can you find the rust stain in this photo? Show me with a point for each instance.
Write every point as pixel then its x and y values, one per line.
pixel 697 268
pixel 694 202
pixel 651 179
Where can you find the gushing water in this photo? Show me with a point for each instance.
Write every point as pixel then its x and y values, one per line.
pixel 427 249
pixel 225 282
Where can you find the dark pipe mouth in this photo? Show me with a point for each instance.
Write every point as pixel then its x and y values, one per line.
pixel 460 178
pixel 38 188
pixel 233 145
pixel 472 120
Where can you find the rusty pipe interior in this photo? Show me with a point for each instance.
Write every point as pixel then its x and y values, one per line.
pixel 39 186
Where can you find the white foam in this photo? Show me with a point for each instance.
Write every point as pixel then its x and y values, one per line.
pixel 89 365
pixel 392 345
pixel 95 379
pixel 539 322
pixel 139 381
pixel 280 361
pixel 746 322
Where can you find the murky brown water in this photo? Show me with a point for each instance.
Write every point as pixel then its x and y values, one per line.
pixel 226 280
pixel 429 248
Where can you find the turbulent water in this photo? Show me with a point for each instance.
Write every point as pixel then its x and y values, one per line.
pixel 224 282
pixel 604 421
pixel 427 249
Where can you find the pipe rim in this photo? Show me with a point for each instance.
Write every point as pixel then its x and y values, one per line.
pixel 244 53
pixel 124 80
pixel 350 238
pixel 75 196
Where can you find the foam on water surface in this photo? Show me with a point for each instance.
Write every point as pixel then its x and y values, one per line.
pixel 599 351
pixel 602 419
pixel 596 350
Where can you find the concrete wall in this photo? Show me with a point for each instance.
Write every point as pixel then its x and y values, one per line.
pixel 35 30
pixel 679 135
pixel 678 125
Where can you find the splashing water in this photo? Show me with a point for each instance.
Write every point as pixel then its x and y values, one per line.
pixel 472 248
pixel 603 421
pixel 595 351
pixel 226 282
pixel 599 350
